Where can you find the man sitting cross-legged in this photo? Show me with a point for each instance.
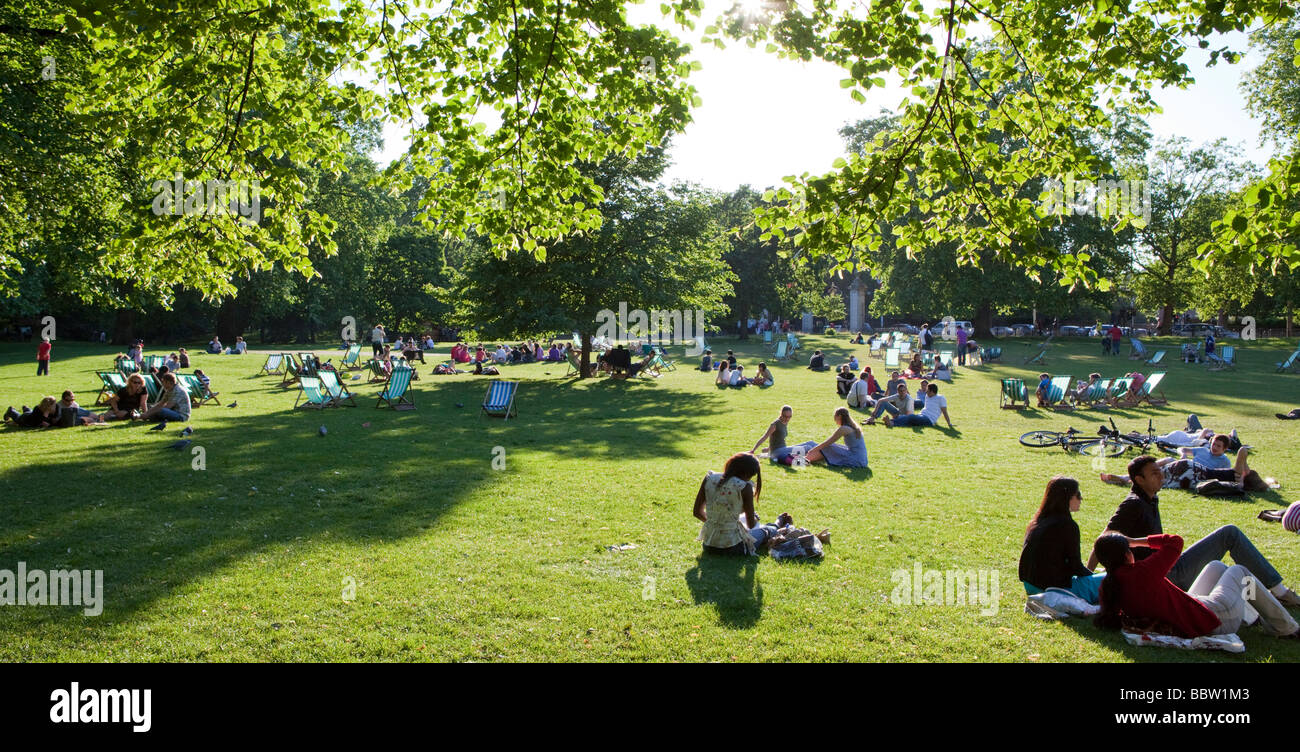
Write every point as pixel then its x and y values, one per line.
pixel 1139 516
pixel 929 416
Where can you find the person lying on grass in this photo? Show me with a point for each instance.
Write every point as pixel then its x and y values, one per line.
pixel 1293 415
pixel 852 454
pixel 1138 590
pixel 775 436
pixel 46 415
pixel 129 402
pixel 935 405
pixel 1209 463
pixel 1139 516
pixel 83 417
pixel 1050 556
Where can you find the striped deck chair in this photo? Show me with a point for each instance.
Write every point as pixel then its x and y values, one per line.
pixel 768 342
pixel 575 364
pixel 1151 392
pixel 1013 391
pixel 125 366
pixel 662 363
pixel 1118 388
pixel 500 399
pixel 891 357
pixel 1137 350
pixel 152 386
pixel 947 357
pixel 377 372
pixel 337 390
pixel 1037 357
pixel 782 351
pixel 352 359
pixel 153 361
pixel 310 364
pixel 927 359
pixel 111 381
pixel 1059 396
pixel 1155 359
pixel 1224 359
pixel 274 363
pixel 1291 365
pixel 396 393
pixel 904 348
pixel 793 340
pixel 1098 394
pixel 990 354
pixel 291 369
pixel 877 348
pixel 310 394
pixel 199 394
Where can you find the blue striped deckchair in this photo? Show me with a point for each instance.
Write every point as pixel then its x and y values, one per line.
pixel 337 390
pixel 782 351
pixel 1291 364
pixel 352 360
pixel 274 363
pixel 1058 394
pixel 500 399
pixel 1155 359
pixel 310 394
pixel 1137 351
pixel 396 393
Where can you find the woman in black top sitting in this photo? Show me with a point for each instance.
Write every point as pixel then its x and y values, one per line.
pixel 1050 557
pixel 844 380
pixel 706 362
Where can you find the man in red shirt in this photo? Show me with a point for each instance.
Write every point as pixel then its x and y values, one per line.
pixel 1115 334
pixel 43 357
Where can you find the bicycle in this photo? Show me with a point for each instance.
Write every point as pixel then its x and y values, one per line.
pixel 1107 446
pixel 1141 442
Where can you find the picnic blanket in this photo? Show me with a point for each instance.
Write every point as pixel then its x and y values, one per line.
pixel 1229 643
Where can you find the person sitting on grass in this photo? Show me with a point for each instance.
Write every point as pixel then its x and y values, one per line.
pixel 183 357
pixel 737 377
pixel 46 415
pixel 1214 604
pixel 860 392
pixel 725 504
pixel 173 403
pixel 775 435
pixel 80 415
pixel 554 354
pixel 916 367
pixel 1139 516
pixel 724 374
pixel 129 402
pixel 891 386
pixel 852 454
pixel 817 362
pixel 731 359
pixel 899 403
pixel 706 360
pixel 935 405
pixel 763 376
pixel 1044 388
pixel 844 381
pixel 942 371
pixel 922 393
pixel 1050 556
pixel 873 387
pixel 853 363
pixel 214 345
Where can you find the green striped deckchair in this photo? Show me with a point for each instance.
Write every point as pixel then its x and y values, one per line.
pixel 111 381
pixel 352 359
pixel 1013 391
pixel 310 394
pixel 396 391
pixel 1058 394
pixel 337 390
pixel 891 358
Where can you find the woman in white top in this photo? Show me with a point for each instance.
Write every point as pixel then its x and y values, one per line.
pixel 724 374
pixel 722 500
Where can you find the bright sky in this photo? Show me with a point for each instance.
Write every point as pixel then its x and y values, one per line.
pixel 763 118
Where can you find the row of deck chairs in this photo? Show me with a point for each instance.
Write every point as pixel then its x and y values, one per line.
pixel 1104 393
pixel 111 381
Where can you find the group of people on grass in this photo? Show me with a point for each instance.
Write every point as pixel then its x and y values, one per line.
pixel 130 402
pixel 725 506
pixel 216 348
pixel 1151 582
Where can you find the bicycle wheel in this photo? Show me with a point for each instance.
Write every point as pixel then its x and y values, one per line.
pixel 1040 438
pixel 1103 448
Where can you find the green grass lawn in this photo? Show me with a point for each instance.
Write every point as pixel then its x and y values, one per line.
pixel 249 558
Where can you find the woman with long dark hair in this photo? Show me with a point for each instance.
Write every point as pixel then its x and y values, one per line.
pixel 852 454
pixel 722 500
pixel 1050 556
pixel 1215 604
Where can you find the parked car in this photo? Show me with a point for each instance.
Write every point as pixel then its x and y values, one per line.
pixel 1198 331
pixel 905 328
pixel 1002 331
pixel 1024 330
pixel 1071 331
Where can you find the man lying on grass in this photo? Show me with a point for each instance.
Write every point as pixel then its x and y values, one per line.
pixel 1206 463
pixel 1138 516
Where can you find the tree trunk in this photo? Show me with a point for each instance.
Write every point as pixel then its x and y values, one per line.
pixel 1290 313
pixel 1166 318
pixel 232 319
pixel 584 359
pixel 984 320
pixel 124 328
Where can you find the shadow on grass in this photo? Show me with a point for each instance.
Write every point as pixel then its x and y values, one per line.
pixel 731 584
pixel 156 520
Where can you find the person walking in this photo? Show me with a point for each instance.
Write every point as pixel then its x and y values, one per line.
pixel 377 340
pixel 43 357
